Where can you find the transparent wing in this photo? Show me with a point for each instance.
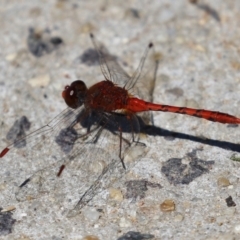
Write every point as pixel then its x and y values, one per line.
pixel 138 72
pixel 42 136
pixel 92 163
pixel 142 82
pixel 122 144
pixel 109 66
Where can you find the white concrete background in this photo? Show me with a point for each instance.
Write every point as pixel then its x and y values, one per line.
pixel 200 56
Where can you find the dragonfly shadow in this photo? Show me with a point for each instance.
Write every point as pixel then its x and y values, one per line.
pixel 157 131
pixel 91 125
pixel 118 124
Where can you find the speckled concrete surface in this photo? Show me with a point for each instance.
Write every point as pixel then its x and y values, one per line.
pixel 189 160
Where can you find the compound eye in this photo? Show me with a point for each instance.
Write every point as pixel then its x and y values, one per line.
pixel 79 86
pixel 74 94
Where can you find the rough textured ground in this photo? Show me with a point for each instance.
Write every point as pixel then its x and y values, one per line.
pixel 192 159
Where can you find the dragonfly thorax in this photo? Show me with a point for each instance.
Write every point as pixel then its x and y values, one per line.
pixel 106 96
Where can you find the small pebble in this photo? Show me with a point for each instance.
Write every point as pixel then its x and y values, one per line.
pixel 91 214
pixel 11 57
pixel 116 194
pixel 199 48
pixel 90 237
pixel 178 218
pixel 168 205
pixel 8 209
pixel 134 153
pixel 24 237
pixel 237 229
pixel 40 81
pixel 2 186
pixel 211 219
pixel 223 182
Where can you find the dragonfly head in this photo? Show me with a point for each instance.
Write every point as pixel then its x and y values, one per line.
pixel 74 95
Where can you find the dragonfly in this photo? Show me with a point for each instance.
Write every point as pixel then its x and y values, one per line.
pixel 98 134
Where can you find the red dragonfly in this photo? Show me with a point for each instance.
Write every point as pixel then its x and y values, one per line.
pixel 94 114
